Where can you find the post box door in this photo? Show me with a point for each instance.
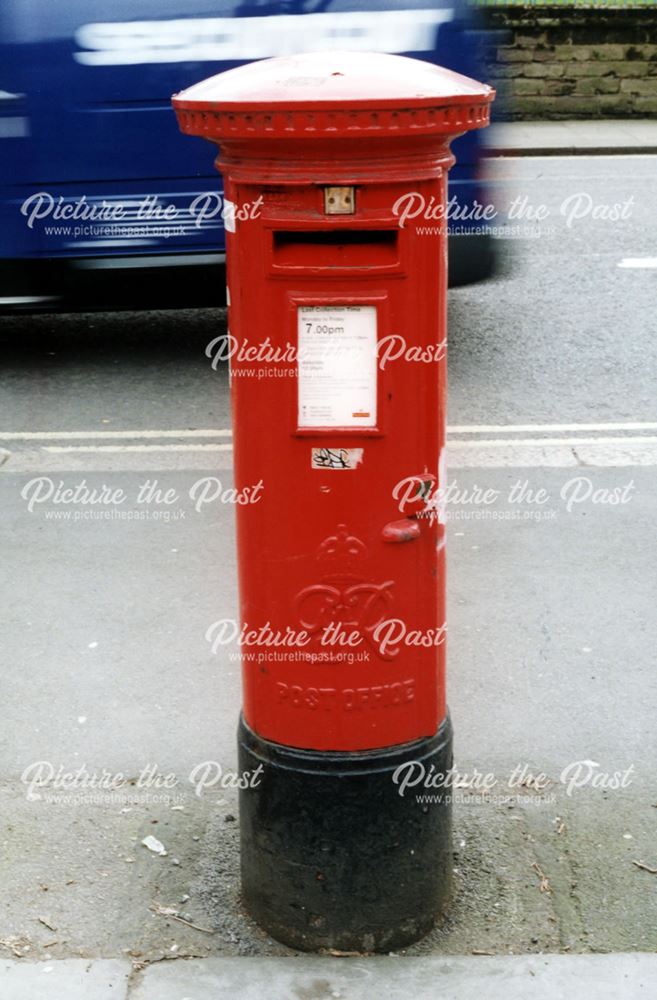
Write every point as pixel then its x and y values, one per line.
pixel 341 416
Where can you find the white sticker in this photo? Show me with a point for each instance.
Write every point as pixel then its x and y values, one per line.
pixel 337 366
pixel 336 458
pixel 229 215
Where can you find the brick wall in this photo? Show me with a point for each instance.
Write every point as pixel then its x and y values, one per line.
pixel 554 62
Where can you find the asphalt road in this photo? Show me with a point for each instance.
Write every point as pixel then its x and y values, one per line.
pixel 552 621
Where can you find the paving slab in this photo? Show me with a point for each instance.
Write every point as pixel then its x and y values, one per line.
pixel 598 977
pixel 73 979
pixel 569 138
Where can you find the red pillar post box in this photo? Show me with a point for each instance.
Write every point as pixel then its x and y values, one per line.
pixel 335 172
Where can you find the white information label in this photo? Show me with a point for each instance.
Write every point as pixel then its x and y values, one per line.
pixel 337 366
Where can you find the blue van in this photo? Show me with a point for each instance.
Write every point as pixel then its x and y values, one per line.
pixel 99 192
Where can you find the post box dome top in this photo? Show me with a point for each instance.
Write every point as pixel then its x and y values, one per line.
pixel 334 92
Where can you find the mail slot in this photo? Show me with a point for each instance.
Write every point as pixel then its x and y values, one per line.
pixel 342 248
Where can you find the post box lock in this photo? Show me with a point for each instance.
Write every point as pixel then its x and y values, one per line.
pixel 416 502
pixel 339 200
pixel 417 493
pixel 427 485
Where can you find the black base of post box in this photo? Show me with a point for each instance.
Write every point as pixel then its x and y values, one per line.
pixel 333 857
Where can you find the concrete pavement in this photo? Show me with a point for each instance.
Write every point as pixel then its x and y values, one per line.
pixel 572 138
pixel 510 977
